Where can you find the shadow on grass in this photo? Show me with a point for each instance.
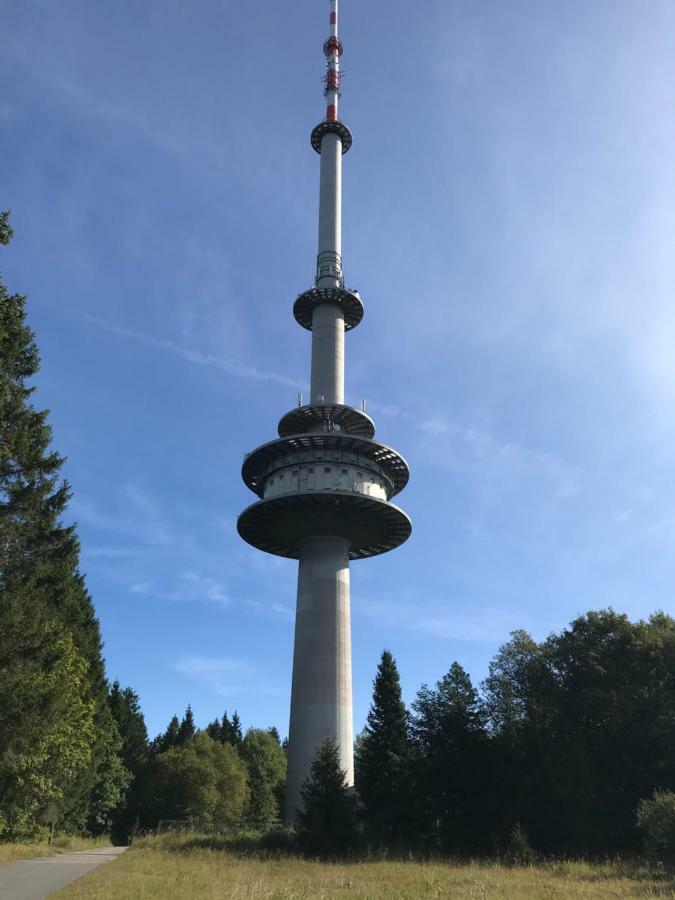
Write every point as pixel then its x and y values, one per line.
pixel 283 843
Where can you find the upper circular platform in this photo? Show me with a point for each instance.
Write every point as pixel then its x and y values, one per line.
pixel 331 127
pixel 349 301
pixel 333 417
pixel 323 447
pixel 279 525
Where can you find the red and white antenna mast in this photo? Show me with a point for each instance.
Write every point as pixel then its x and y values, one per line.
pixel 333 50
pixel 331 138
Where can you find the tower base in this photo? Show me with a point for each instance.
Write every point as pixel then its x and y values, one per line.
pixel 321 698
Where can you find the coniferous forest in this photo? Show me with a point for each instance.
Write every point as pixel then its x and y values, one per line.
pixel 567 748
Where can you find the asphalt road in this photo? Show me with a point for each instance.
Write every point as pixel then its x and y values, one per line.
pixel 35 879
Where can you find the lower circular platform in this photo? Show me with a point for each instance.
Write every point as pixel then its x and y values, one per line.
pixel 278 525
pixel 348 301
pixel 334 417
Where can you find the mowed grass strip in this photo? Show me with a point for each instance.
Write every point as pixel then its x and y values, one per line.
pixel 62 844
pixel 150 870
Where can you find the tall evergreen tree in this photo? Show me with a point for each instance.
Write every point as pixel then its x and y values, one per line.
pixel 187 727
pixel 327 820
pixel 236 735
pixel 382 758
pixel 168 738
pixel 225 729
pixel 451 741
pixel 45 605
pixel 213 729
pixel 126 709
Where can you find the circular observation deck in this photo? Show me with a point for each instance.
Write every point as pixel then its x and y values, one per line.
pixel 333 417
pixel 349 302
pixel 279 525
pixel 355 465
pixel 331 126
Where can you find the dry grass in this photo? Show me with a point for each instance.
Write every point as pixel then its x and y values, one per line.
pixel 173 868
pixel 61 844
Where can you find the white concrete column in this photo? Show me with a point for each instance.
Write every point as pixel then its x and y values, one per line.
pixel 328 355
pixel 321 698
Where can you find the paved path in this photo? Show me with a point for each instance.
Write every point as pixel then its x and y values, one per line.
pixel 35 879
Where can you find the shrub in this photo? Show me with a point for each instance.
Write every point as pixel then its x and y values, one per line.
pixel 518 850
pixel 656 821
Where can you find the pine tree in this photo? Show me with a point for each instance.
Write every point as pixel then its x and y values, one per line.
pixel 382 757
pixel 327 820
pixel 44 598
pixel 187 727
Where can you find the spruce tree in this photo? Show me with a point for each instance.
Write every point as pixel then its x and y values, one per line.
pixel 382 757
pixel 213 729
pixel 45 608
pixel 187 727
pixel 168 738
pixel 327 820
pixel 236 735
pixel 126 709
pixel 225 730
pixel 449 730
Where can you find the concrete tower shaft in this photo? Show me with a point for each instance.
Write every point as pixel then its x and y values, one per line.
pixel 325 485
pixel 321 703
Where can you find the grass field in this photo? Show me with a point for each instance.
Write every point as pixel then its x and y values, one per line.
pixel 174 867
pixel 61 844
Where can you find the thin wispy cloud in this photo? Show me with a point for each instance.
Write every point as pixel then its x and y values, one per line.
pixel 191 587
pixel 226 367
pixel 484 625
pixel 222 675
pixel 141 519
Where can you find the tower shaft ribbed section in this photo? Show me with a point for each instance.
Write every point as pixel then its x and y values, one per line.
pixel 321 705
pixel 324 488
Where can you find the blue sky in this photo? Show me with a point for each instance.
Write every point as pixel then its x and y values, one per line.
pixel 509 213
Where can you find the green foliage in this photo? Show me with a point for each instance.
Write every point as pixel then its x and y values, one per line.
pixel 47 622
pixel 112 776
pixel 584 724
pixel 235 736
pixel 518 850
pixel 125 707
pixel 134 752
pixel 187 727
pixel 327 821
pixel 50 747
pixel 656 821
pixel 6 230
pixel 202 781
pixel 382 759
pixel 452 761
pixel 169 739
pixel 266 763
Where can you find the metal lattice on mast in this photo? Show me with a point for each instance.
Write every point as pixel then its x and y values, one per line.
pixel 325 485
